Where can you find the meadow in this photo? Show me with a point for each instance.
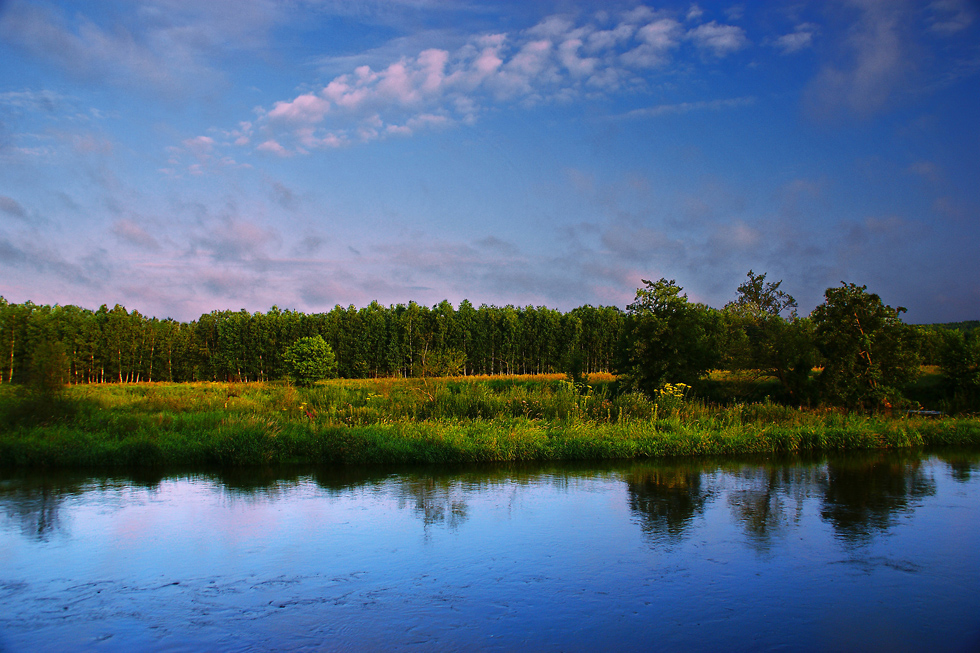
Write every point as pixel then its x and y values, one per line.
pixel 444 420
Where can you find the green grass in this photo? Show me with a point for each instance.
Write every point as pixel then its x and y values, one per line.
pixel 415 421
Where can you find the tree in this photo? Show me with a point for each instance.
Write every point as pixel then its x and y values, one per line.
pixel 762 342
pixel 308 360
pixel 49 368
pixel 959 360
pixel 666 338
pixel 867 349
pixel 760 300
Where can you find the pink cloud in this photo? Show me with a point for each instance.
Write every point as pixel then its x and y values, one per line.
pixel 273 147
pixel 553 61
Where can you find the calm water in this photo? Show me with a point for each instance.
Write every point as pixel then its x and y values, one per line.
pixel 877 551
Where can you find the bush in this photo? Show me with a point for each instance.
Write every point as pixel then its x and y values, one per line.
pixel 308 360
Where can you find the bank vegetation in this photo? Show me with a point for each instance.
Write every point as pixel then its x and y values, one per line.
pixel 444 420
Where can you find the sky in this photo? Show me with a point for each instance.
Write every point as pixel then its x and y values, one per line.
pixel 179 157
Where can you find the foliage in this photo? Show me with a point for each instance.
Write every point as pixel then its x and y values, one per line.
pixel 450 362
pixel 670 397
pixel 752 336
pixel 118 345
pixel 460 420
pixel 868 357
pixel 959 358
pixel 575 367
pixel 309 360
pixel 667 338
pixel 49 368
pixel 759 340
pixel 758 299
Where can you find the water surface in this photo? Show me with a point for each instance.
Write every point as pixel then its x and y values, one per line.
pixel 870 550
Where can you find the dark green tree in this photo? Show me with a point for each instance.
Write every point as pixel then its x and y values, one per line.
pixel 761 342
pixel 308 360
pixel 761 300
pixel 959 361
pixel 666 338
pixel 49 368
pixel 868 351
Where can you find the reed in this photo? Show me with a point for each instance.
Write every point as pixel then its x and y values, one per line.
pixel 427 421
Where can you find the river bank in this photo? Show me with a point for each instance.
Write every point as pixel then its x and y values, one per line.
pixel 399 421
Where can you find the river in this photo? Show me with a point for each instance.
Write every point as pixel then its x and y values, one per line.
pixel 869 550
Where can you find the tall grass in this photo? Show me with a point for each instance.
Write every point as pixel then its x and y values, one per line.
pixel 415 420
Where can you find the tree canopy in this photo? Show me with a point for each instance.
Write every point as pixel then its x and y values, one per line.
pixel 867 350
pixel 867 354
pixel 666 338
pixel 309 360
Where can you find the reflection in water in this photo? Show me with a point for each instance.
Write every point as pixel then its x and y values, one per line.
pixel 865 491
pixel 861 493
pixel 962 464
pixel 666 497
pixel 35 500
pixel 434 500
pixel 507 557
pixel 767 500
pixel 37 510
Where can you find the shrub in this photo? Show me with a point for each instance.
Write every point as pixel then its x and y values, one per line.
pixel 308 360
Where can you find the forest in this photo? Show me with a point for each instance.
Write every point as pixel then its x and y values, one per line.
pixel 866 353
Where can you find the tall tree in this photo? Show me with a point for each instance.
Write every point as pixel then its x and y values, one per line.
pixel 866 348
pixel 760 300
pixel 761 341
pixel 667 339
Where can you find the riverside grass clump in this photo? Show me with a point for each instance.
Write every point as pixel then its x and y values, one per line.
pixel 451 420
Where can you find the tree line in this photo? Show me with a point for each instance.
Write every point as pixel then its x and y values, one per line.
pixel 867 354
pixel 122 346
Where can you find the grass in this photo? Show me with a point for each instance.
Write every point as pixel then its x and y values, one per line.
pixel 401 421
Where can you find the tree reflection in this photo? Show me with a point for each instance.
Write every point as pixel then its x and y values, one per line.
pixel 769 499
pixel 36 510
pixel 435 500
pixel 438 495
pixel 666 498
pixel 963 464
pixel 35 501
pixel 864 492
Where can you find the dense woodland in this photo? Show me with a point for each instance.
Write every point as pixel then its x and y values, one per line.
pixel 660 338
pixel 118 345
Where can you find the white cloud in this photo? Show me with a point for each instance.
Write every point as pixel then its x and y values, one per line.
pixel 657 39
pixel 951 16
pixel 200 147
pixel 686 107
pixel 131 232
pixel 43 101
pixel 305 109
pixel 235 240
pixel 800 39
pixel 720 40
pixel 166 45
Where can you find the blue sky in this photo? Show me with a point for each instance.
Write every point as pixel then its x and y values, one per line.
pixel 179 157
